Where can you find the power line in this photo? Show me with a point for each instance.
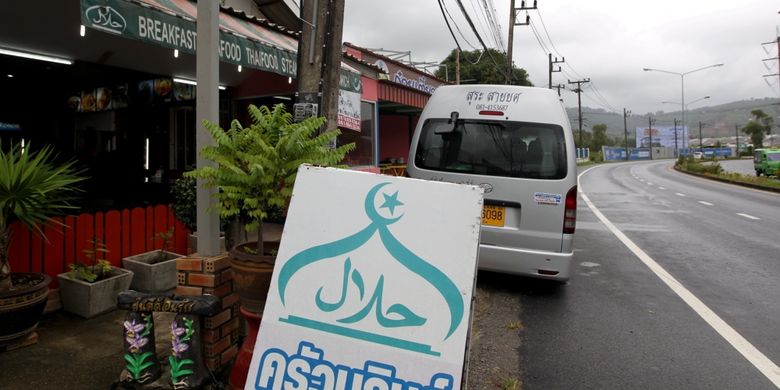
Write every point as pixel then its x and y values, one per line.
pixel 441 7
pixel 497 24
pixel 463 36
pixel 547 33
pixel 491 19
pixel 479 38
pixel 555 49
pixel 480 17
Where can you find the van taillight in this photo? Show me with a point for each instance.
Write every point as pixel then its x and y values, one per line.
pixel 487 112
pixel 570 215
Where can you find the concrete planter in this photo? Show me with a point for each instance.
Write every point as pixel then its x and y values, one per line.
pixel 150 274
pixel 90 299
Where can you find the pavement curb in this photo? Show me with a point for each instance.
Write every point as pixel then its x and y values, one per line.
pixel 720 179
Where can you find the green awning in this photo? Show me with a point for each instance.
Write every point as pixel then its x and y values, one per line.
pixel 172 24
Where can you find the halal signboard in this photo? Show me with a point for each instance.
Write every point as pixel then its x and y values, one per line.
pixel 372 286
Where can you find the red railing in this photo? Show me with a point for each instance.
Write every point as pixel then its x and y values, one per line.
pixel 125 233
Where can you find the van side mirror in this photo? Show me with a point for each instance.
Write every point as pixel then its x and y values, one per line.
pixel 448 129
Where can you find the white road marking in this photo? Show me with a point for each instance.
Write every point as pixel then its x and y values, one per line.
pixel 661 188
pixel 706 203
pixel 744 347
pixel 679 194
pixel 748 216
pixel 649 183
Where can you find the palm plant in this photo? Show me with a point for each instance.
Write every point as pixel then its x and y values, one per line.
pixel 256 165
pixel 33 189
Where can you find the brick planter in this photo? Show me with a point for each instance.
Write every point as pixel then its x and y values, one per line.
pixel 198 275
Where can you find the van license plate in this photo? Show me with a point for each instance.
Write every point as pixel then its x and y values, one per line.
pixel 493 215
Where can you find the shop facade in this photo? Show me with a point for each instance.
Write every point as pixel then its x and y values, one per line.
pixel 401 94
pixel 112 85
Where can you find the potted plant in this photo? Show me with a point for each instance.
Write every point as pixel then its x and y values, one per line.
pixel 154 271
pixel 184 194
pixel 33 189
pixel 90 288
pixel 254 172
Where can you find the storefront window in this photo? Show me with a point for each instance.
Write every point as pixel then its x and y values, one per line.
pixel 363 154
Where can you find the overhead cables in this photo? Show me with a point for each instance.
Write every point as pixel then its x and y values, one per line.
pixel 568 64
pixel 447 10
pixel 479 38
pixel 441 7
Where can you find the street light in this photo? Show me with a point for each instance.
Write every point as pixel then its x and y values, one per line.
pixel 686 108
pixel 682 84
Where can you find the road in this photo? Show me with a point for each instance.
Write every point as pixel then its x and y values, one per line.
pixel 617 324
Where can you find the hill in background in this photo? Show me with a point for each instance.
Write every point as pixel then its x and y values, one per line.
pixel 718 121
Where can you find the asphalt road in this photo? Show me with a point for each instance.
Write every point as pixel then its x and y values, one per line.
pixel 617 325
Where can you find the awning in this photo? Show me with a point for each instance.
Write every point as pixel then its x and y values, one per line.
pixel 171 23
pixel 396 93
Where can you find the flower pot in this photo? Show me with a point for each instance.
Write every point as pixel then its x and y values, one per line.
pixel 252 274
pixel 21 308
pixel 240 368
pixel 90 299
pixel 150 274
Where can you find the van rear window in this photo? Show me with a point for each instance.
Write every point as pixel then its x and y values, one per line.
pixel 493 148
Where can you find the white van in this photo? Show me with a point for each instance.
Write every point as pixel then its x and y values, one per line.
pixel 516 143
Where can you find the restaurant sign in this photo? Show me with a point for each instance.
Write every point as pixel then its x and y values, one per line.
pixel 154 26
pixel 372 286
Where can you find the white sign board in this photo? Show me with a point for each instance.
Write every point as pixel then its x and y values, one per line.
pixel 349 110
pixel 372 286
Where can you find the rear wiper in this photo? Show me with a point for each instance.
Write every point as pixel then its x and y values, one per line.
pixel 449 129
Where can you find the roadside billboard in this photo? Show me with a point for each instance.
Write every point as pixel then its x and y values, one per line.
pixel 372 285
pixel 662 136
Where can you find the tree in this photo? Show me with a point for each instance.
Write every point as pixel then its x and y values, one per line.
pixel 760 124
pixel 480 67
pixel 599 138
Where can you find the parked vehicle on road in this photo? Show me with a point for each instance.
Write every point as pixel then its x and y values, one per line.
pixel 766 161
pixel 517 144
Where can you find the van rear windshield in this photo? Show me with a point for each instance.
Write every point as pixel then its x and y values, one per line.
pixel 493 148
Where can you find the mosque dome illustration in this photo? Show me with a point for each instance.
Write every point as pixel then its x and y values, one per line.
pixel 356 299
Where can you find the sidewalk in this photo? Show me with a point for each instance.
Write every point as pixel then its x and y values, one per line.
pixel 71 353
pixel 84 354
pixel 77 353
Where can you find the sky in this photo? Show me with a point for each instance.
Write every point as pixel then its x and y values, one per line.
pixel 607 41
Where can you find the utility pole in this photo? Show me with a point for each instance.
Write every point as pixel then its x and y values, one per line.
pixel 676 150
pixel 579 101
pixel 736 131
pixel 559 87
pixel 512 23
pixel 551 70
pixel 457 66
pixel 701 145
pixel 650 122
pixel 626 113
pixel 319 60
pixel 777 41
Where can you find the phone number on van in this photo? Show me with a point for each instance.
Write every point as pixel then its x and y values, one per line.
pixel 492 107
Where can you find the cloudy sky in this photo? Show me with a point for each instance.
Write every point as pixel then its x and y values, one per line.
pixel 608 41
